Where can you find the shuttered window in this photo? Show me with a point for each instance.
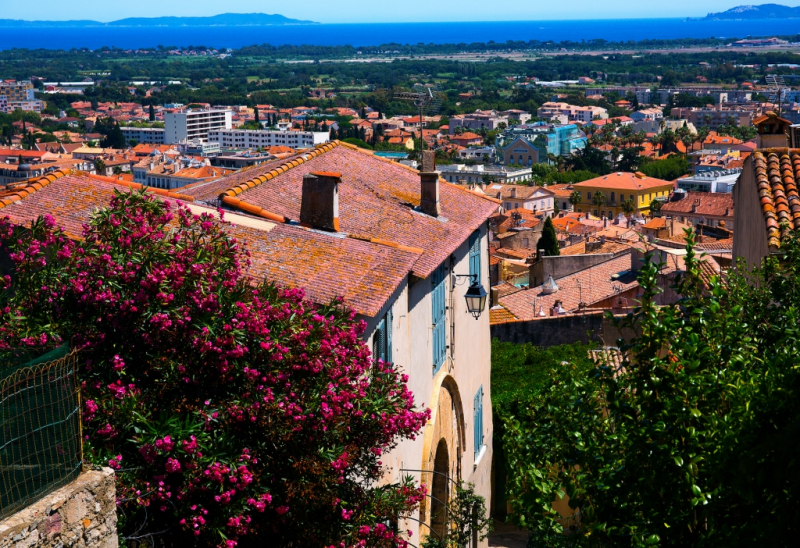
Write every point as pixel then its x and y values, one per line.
pixel 475 254
pixel 477 421
pixel 382 339
pixel 439 318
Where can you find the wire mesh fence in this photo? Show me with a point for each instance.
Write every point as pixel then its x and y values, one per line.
pixel 40 430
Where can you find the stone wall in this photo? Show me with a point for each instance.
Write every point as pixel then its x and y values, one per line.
pixel 556 330
pixel 560 266
pixel 80 514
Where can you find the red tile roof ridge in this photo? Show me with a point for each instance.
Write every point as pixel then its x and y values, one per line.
pixel 253 209
pixel 31 188
pixel 238 189
pixel 137 186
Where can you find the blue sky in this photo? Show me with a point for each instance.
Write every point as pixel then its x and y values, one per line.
pixel 364 11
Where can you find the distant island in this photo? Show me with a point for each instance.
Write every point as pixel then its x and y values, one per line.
pixel 763 11
pixel 222 20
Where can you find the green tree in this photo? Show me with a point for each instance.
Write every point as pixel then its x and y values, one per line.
pixel 114 138
pixel 549 240
pixel 687 436
pixel 628 207
pixel 599 199
pixel 256 116
pixel 99 166
pixel 655 208
pixel 152 113
pixel 575 198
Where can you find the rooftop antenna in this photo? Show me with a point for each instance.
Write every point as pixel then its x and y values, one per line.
pixel 777 88
pixel 428 101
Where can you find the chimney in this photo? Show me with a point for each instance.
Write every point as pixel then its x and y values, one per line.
pixel 319 206
pixel 429 181
pixel 513 192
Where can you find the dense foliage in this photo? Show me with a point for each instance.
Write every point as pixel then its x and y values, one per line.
pixel 233 412
pixel 691 440
pixel 668 169
pixel 549 241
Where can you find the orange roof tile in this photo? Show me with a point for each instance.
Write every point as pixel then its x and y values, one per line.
pixel 377 200
pixel 365 274
pixel 623 181
pixel 776 181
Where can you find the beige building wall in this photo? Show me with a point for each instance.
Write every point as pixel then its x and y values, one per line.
pixel 451 391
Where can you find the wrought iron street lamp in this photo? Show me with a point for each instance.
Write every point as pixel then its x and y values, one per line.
pixel 475 295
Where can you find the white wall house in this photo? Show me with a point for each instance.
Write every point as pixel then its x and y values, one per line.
pixel 146 135
pixel 256 138
pixel 191 124
pixel 415 264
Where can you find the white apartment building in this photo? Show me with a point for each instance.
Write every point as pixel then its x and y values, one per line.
pixel 193 124
pixel 257 138
pixel 573 113
pixel 3 103
pixel 146 135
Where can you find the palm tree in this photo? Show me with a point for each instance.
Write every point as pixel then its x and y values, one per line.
pixel 628 207
pixel 599 199
pixel 575 198
pixel 99 165
pixel 655 207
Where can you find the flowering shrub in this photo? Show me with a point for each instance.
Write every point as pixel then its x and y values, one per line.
pixel 231 411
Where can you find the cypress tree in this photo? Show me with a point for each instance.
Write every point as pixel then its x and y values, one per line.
pixel 152 113
pixel 257 118
pixel 549 241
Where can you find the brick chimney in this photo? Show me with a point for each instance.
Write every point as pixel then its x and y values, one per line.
pixel 429 185
pixel 319 205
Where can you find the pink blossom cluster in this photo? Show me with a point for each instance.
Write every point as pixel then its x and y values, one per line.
pixel 239 408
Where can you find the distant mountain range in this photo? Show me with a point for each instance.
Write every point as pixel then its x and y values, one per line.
pixel 764 11
pixel 222 20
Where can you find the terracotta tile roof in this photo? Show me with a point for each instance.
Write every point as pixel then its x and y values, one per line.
pixel 712 204
pixel 325 265
pixel 623 181
pixel 776 173
pixel 561 190
pixel 595 285
pixel 575 249
pixel 211 191
pixel 655 224
pixel 716 245
pixel 499 314
pixel 377 199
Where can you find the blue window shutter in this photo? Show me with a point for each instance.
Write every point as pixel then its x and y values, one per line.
pixel 389 335
pixel 439 318
pixel 475 254
pixel 478 421
pixel 379 342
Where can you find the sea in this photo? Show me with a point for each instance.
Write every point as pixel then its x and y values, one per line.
pixel 371 34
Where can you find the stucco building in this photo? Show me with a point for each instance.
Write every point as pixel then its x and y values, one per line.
pixel 620 187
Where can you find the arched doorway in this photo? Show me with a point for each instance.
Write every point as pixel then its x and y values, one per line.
pixel 440 489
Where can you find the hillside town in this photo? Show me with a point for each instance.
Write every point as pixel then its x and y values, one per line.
pixel 415 315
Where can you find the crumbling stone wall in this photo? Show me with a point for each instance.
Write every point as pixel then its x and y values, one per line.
pixel 80 514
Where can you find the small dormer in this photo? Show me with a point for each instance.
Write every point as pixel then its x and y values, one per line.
pixel 772 131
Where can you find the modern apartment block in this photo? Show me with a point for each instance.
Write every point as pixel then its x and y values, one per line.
pixel 194 124
pixel 146 135
pixel 3 103
pixel 573 113
pixel 17 91
pixel 256 138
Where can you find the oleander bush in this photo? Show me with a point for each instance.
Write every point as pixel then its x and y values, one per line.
pixel 233 411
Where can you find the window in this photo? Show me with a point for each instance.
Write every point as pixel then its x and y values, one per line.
pixel 475 254
pixel 612 197
pixel 477 421
pixel 588 195
pixel 382 339
pixel 439 318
